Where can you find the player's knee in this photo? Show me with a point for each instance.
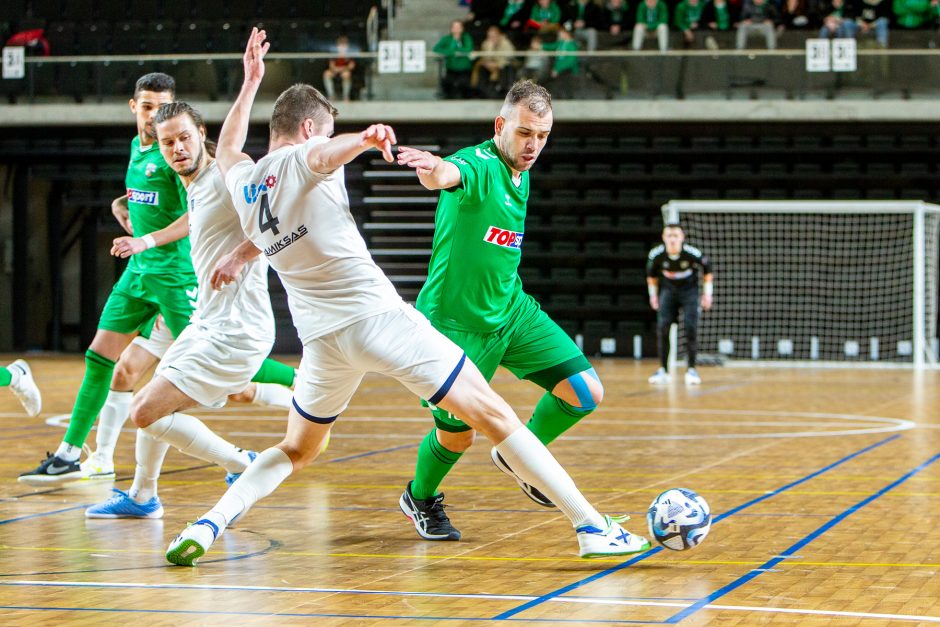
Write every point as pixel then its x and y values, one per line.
pixel 125 376
pixel 141 415
pixel 245 396
pixel 458 441
pixel 300 456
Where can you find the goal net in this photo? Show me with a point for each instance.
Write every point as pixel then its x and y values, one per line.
pixel 817 281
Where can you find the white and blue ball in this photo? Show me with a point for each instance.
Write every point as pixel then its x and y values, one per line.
pixel 679 519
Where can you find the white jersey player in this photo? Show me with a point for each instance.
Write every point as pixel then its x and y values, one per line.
pixel 231 333
pixel 293 207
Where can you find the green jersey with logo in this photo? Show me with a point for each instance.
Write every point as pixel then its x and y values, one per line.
pixel 155 198
pixel 473 281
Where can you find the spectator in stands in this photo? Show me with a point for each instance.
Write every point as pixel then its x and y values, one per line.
pixel 342 66
pixel 512 20
pixel 717 18
pixel 534 67
pixel 912 14
pixel 455 47
pixel 585 18
pixel 652 16
pixel 758 16
pixel 794 15
pixel 874 16
pixel 688 19
pixel 545 17
pixel 616 17
pixel 496 69
pixel 564 64
pixel 838 19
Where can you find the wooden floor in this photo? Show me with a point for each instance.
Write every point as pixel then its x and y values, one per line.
pixel 823 485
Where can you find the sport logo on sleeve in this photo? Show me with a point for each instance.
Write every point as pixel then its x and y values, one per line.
pixel 142 197
pixel 504 238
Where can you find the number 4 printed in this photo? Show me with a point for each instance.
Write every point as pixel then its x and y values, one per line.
pixel 266 221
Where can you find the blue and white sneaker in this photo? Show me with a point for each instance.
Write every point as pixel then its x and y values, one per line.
pixel 121 505
pixel 232 477
pixel 613 540
pixel 192 543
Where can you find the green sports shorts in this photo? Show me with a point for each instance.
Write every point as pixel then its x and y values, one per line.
pixel 530 345
pixel 136 299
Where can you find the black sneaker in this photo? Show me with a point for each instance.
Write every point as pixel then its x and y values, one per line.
pixel 529 490
pixel 428 516
pixel 53 470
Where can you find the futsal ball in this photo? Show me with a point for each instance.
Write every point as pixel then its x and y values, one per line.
pixel 679 519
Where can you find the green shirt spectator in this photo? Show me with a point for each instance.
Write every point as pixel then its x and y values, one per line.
pixel 512 7
pixel 653 16
pixel 914 13
pixel 564 63
pixel 689 14
pixel 546 13
pixel 455 48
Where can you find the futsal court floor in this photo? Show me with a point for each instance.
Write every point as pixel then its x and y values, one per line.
pixel 824 486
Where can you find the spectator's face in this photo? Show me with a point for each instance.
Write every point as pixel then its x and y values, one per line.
pixel 144 106
pixel 522 136
pixel 456 29
pixel 544 3
pixel 651 3
pixel 342 44
pixel 493 34
pixel 616 4
pixel 182 144
pixel 673 237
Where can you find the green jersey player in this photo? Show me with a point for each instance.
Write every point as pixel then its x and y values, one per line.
pixel 474 296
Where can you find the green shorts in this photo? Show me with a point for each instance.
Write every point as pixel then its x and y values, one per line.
pixel 136 299
pixel 530 345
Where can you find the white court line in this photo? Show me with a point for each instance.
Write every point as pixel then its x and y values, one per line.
pixel 496 597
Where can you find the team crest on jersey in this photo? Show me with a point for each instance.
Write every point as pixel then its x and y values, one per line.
pixel 504 238
pixel 150 169
pixel 143 197
pixel 253 191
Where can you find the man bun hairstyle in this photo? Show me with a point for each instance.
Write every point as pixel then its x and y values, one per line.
pixel 296 104
pixel 535 97
pixel 155 81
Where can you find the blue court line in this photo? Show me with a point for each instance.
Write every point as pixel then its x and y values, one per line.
pixel 384 450
pixel 40 515
pixel 576 621
pixel 835 520
pixel 583 582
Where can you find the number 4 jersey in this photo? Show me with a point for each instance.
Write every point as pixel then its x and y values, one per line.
pixel 301 221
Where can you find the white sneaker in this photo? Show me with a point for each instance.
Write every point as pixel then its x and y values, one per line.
pixel 614 540
pixel 660 377
pixel 98 467
pixel 692 378
pixel 192 543
pixel 25 388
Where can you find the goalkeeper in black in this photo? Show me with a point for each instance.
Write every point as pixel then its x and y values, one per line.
pixel 672 280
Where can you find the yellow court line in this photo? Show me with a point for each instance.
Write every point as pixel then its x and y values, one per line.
pixel 481 558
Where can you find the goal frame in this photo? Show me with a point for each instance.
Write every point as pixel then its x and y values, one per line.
pixel 923 356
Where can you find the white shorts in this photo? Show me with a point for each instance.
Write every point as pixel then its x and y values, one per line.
pixel 400 343
pixel 207 365
pixel 158 342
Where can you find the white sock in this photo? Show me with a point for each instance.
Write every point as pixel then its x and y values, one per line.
pixel 270 468
pixel 191 436
pixel 150 454
pixel 111 420
pixel 67 452
pixel 529 459
pixel 16 372
pixel 273 394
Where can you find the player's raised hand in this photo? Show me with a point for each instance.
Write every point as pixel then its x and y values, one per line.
pixel 380 136
pixel 423 162
pixel 706 301
pixel 654 302
pixel 254 55
pixel 124 247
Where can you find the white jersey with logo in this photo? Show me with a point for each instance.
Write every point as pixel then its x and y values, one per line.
pixel 243 306
pixel 301 220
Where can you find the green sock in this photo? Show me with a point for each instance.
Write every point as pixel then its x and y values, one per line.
pixel 434 462
pixel 552 417
pixel 5 377
pixel 91 397
pixel 272 371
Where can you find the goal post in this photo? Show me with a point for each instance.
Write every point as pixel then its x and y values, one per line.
pixel 849 283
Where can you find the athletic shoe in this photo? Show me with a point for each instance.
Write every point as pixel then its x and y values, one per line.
pixel 692 378
pixel 529 490
pixel 121 505
pixel 428 516
pixel 192 543
pixel 613 540
pixel 232 477
pixel 52 471
pixel 98 467
pixel 660 377
pixel 25 388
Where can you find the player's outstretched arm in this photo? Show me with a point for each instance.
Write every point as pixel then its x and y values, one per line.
pixel 340 150
pixel 433 172
pixel 228 267
pixel 124 247
pixel 235 128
